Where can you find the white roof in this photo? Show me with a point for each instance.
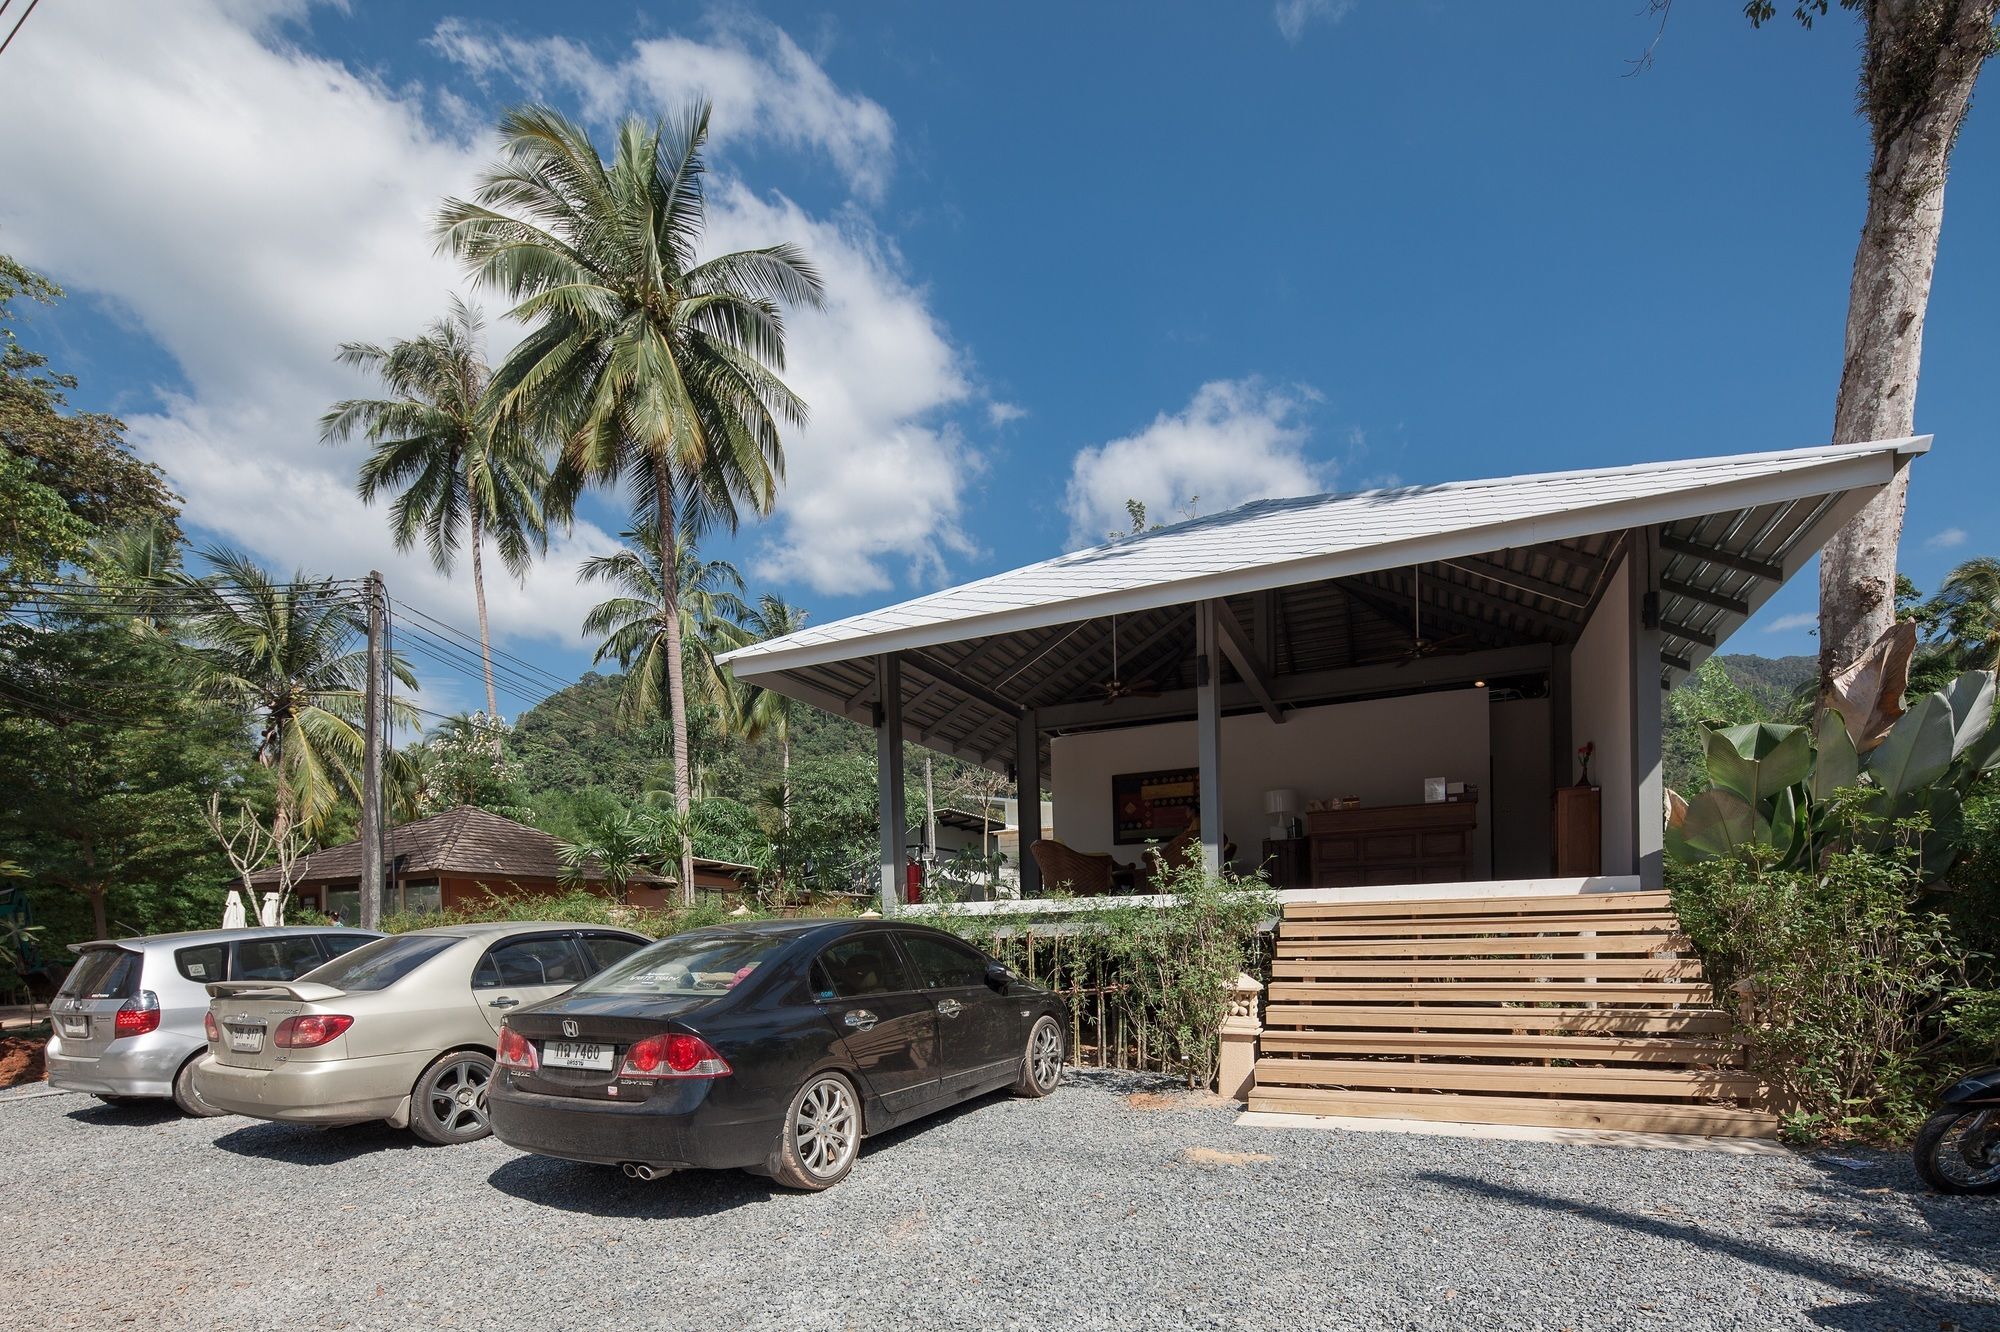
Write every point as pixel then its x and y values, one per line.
pixel 1276 543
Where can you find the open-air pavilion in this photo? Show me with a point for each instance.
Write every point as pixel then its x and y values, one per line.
pixel 1267 664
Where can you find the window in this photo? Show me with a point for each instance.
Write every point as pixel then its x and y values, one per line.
pixel 851 968
pixel 945 964
pixel 420 898
pixel 204 963
pixel 336 945
pixel 707 962
pixel 103 973
pixel 276 959
pixel 343 905
pixel 380 963
pixel 601 950
pixel 543 961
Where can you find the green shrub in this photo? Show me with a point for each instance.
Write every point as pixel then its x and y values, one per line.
pixel 1858 1002
pixel 1154 978
pixel 587 908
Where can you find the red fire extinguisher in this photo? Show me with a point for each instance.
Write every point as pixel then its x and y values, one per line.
pixel 913 880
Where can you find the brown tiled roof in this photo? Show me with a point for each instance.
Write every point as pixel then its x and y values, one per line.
pixel 463 841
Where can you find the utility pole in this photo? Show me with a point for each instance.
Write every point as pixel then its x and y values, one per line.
pixel 373 727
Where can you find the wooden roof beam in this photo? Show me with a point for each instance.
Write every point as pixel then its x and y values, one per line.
pixel 1729 559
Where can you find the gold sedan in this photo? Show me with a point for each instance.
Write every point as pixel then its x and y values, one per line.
pixel 400 1030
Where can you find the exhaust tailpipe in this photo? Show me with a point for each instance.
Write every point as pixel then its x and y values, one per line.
pixel 640 1170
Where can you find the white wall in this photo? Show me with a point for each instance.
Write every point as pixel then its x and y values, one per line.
pixel 1601 713
pixel 1380 750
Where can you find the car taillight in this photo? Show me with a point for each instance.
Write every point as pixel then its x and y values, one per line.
pixel 515 1051
pixel 137 1016
pixel 673 1054
pixel 210 1030
pixel 308 1030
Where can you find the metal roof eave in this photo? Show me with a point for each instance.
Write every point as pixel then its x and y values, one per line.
pixel 1863 468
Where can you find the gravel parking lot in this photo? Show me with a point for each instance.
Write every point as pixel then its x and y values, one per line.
pixel 1098 1207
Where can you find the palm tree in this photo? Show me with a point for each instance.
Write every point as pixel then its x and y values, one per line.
pixel 656 369
pixel 455 463
pixel 756 713
pixel 289 655
pixel 141 560
pixel 641 627
pixel 1969 603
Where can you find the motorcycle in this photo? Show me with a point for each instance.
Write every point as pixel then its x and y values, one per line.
pixel 1958 1148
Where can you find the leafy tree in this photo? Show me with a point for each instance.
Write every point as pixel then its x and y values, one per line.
pixel 107 762
pixel 656 369
pixel 1707 698
pixel 759 713
pixel 79 456
pixel 641 627
pixel 462 761
pixel 457 464
pixel 289 656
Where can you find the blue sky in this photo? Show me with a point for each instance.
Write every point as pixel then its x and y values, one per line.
pixel 1188 253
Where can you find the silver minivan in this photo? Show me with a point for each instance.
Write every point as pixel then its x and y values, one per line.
pixel 127 1021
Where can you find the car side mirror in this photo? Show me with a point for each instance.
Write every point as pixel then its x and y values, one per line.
pixel 998 976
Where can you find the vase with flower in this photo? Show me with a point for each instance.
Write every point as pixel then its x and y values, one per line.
pixel 1584 753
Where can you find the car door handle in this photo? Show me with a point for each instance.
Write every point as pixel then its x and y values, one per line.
pixel 502 1002
pixel 949 1007
pixel 860 1019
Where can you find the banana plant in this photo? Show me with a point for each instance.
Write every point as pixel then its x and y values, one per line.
pixel 1772 786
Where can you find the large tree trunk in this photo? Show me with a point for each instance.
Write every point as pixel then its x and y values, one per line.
pixel 1920 60
pixel 478 534
pixel 670 603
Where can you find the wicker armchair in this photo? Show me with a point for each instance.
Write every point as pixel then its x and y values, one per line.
pixel 1183 852
pixel 1085 873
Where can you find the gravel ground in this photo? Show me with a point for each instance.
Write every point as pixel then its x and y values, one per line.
pixel 1094 1208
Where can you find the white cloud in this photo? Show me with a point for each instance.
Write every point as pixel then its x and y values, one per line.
pixel 1949 539
pixel 1294 16
pixel 1786 624
pixel 762 86
pixel 999 414
pixel 1237 440
pixel 250 206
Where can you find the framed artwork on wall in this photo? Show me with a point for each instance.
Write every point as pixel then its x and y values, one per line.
pixel 1153 806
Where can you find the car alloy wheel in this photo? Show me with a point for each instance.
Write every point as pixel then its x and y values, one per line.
pixel 450 1102
pixel 826 1128
pixel 1045 1054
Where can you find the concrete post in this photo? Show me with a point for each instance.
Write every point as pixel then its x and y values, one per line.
pixel 1236 1063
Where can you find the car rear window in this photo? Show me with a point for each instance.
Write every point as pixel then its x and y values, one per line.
pixel 103 973
pixel 378 965
pixel 688 964
pixel 202 963
pixel 276 959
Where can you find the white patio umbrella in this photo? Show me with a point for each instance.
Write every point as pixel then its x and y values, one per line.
pixel 268 913
pixel 232 914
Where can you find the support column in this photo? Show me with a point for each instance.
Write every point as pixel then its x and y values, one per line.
pixel 889 778
pixel 1208 733
pixel 1028 805
pixel 1648 776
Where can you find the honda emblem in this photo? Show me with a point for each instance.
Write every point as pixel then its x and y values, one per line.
pixel 570 1028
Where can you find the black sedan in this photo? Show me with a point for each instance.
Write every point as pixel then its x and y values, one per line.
pixel 773 1047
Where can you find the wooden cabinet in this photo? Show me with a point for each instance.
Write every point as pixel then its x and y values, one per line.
pixel 1288 862
pixel 1360 848
pixel 1579 819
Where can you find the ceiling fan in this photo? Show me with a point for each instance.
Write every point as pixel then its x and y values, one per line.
pixel 1117 686
pixel 1421 648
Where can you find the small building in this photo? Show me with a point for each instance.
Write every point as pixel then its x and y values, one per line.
pixel 458 858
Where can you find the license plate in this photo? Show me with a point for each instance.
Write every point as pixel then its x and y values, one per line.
pixel 576 1054
pixel 75 1028
pixel 246 1040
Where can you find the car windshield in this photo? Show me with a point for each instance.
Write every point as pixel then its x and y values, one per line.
pixel 378 965
pixel 688 964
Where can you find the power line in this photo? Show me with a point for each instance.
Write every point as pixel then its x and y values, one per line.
pixel 17 24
